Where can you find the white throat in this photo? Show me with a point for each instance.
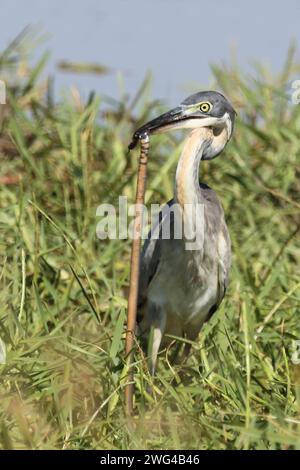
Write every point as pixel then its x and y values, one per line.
pixel 187 172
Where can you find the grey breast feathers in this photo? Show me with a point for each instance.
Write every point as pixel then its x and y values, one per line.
pixel 151 254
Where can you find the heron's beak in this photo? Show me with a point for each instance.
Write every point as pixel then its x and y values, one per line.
pixel 182 117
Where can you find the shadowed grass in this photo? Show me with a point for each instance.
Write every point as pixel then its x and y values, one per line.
pixel 63 291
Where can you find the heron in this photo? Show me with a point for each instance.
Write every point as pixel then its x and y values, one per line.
pixel 179 288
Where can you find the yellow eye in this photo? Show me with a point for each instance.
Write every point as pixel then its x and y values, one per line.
pixel 205 107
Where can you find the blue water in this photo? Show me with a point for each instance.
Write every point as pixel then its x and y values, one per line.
pixel 176 39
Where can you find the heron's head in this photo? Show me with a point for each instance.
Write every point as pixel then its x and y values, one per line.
pixel 208 109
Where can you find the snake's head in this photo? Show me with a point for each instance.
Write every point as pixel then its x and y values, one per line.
pixel 138 135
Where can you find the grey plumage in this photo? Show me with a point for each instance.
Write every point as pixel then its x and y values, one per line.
pixel 179 289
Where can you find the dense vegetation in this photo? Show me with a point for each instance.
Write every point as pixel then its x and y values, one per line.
pixel 63 291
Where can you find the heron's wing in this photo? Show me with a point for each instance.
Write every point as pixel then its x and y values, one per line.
pixel 225 260
pixel 215 219
pixel 151 255
pixel 224 253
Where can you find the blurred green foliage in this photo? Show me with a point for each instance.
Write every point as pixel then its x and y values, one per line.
pixel 63 291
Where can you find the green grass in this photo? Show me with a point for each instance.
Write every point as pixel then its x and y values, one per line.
pixel 63 291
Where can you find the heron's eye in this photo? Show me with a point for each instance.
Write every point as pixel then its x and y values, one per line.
pixel 205 107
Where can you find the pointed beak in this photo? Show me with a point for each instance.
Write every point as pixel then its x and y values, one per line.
pixel 181 117
pixel 165 121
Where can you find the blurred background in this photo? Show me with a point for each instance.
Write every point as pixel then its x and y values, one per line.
pixel 79 81
pixel 177 40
